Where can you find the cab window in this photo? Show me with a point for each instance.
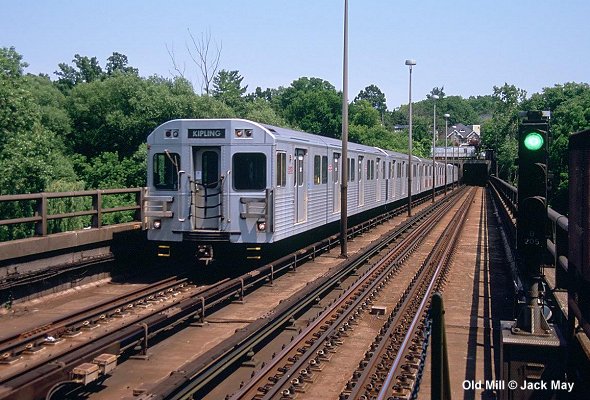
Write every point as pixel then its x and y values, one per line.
pixel 249 171
pixel 165 171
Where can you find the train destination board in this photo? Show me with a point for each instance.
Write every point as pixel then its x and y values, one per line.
pixel 206 133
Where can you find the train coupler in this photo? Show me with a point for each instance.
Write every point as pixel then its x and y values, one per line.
pixel 204 253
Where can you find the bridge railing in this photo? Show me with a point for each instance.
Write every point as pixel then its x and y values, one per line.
pixel 558 247
pixel 40 214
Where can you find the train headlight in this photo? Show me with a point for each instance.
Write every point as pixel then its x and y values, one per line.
pixel 157 224
pixel 261 226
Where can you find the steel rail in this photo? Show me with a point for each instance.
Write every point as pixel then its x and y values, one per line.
pixel 12 346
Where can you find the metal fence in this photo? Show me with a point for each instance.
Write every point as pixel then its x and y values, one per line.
pixel 558 247
pixel 34 211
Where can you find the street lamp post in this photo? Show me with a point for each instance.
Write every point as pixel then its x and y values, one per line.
pixel 435 98
pixel 446 134
pixel 344 163
pixel 410 63
pixel 455 183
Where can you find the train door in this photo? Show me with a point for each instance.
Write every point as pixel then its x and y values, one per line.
pixel 392 179
pixel 377 180
pixel 207 188
pixel 336 182
pixel 300 186
pixel 405 174
pixel 361 183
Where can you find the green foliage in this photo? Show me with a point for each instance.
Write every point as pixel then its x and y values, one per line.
pixel 11 63
pixel 18 111
pixel 67 205
pixel 361 112
pixel 260 110
pixel 51 104
pixel 32 160
pixel 227 87
pixel 375 97
pixel 313 105
pixel 86 70
pixel 378 136
pixel 437 91
pixel 500 131
pixel 117 62
pixel 117 114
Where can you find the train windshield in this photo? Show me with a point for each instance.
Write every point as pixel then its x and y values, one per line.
pixel 165 171
pixel 249 171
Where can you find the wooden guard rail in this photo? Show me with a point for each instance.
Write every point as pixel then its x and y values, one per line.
pixel 41 213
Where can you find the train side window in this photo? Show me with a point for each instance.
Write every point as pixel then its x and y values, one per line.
pixel 165 171
pixel 281 169
pixel 249 171
pixel 320 169
pixel 336 168
pixel 351 169
pixel 317 169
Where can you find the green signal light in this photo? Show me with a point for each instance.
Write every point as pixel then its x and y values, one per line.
pixel 533 141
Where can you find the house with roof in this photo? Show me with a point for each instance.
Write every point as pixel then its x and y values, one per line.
pixel 467 135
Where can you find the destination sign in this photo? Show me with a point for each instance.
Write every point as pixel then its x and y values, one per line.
pixel 206 133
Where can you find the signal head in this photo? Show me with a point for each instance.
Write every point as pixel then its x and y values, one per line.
pixel 533 141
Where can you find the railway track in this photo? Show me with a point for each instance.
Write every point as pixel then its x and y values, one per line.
pixel 295 366
pixel 83 346
pixel 85 342
pixel 17 346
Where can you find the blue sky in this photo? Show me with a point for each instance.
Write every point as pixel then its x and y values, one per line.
pixel 465 46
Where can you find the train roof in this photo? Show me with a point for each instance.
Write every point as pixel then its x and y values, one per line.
pixel 293 135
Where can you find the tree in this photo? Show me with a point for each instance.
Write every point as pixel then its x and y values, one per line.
pixel 362 113
pixel 11 63
pixel 375 97
pixel 18 112
pixel 569 105
pixel 436 91
pixel 459 109
pixel 51 103
pixel 500 132
pixel 206 62
pixel 260 110
pixel 86 70
pixel 118 62
pixel 227 87
pixel 313 105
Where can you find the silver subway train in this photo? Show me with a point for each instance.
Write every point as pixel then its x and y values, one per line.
pixel 231 186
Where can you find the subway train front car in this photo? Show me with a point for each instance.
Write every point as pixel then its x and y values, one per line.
pixel 209 193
